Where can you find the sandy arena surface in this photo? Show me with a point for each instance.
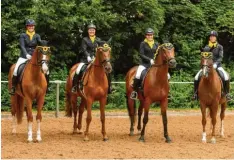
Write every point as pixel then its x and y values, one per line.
pixel 58 141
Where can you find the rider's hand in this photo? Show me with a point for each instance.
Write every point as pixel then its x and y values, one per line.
pixel 151 61
pixel 89 59
pixel 93 57
pixel 215 65
pixel 28 56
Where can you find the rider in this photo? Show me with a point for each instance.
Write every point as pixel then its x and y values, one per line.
pixel 28 42
pixel 89 45
pixel 147 50
pixel 217 51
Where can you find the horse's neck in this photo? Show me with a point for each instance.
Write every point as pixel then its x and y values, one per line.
pixel 211 77
pixel 159 73
pixel 33 68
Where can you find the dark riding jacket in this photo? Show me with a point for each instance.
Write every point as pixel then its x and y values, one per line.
pixel 217 54
pixel 147 53
pixel 89 48
pixel 27 46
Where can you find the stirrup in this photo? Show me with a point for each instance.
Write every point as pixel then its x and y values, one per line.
pixel 134 95
pixel 228 97
pixel 74 89
pixel 195 97
pixel 12 92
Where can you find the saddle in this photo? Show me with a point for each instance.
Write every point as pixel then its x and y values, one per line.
pixel 20 72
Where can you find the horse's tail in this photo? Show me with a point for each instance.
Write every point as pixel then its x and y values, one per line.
pixel 17 107
pixel 129 109
pixel 68 106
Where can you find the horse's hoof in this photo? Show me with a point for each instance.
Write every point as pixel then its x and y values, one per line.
pixel 131 133
pixel 141 139
pixel 222 136
pixel 168 140
pixel 204 141
pixel 213 141
pixel 38 139
pixel 13 131
pixel 105 139
pixel 80 132
pixel 86 139
pixel 30 140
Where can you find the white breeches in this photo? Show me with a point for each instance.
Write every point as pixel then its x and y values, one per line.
pixel 226 76
pixel 79 67
pixel 18 63
pixel 141 68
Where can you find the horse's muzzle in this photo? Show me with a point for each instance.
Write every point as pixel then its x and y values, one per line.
pixel 45 67
pixel 205 71
pixel 108 67
pixel 172 63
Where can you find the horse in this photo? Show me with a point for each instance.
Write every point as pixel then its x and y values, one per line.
pixel 210 95
pixel 156 89
pixel 95 89
pixel 32 86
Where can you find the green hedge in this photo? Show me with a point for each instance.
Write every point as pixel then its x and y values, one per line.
pixel 180 94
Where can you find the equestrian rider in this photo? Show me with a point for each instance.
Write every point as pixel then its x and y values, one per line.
pixel 89 45
pixel 147 50
pixel 217 50
pixel 28 42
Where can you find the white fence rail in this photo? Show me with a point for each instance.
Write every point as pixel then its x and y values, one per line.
pixel 58 82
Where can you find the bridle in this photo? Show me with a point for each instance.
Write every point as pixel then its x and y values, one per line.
pixel 168 46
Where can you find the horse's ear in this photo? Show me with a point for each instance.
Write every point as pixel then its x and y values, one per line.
pixel 109 41
pixel 44 43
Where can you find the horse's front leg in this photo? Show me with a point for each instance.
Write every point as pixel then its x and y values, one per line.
pixel 102 117
pixel 163 105
pixel 213 114
pixel 29 117
pixel 203 111
pixel 146 106
pixel 89 103
pixel 40 103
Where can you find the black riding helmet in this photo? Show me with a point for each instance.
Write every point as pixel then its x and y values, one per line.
pixel 149 31
pixel 91 26
pixel 30 22
pixel 213 33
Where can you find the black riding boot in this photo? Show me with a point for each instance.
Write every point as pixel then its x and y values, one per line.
pixel 75 83
pixel 47 76
pixel 226 85
pixel 195 95
pixel 136 84
pixel 14 83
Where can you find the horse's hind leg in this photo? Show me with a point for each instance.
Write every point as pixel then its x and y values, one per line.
pixel 222 115
pixel 30 118
pixel 102 117
pixel 140 110
pixel 74 108
pixel 131 112
pixel 203 110
pixel 89 118
pixel 13 113
pixel 40 103
pixel 81 111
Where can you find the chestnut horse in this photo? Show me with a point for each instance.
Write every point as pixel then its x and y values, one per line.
pixel 95 89
pixel 156 88
pixel 209 93
pixel 33 86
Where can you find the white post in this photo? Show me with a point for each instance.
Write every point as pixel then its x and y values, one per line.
pixel 57 98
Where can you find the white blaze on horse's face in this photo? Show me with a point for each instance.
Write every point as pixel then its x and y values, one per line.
pixel 45 67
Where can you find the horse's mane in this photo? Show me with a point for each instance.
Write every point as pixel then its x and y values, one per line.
pixel 168 46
